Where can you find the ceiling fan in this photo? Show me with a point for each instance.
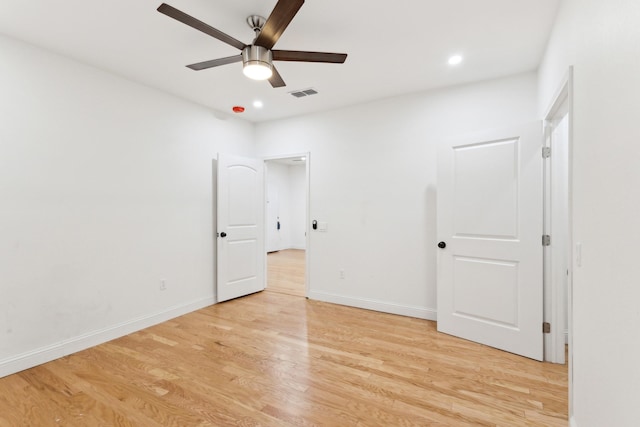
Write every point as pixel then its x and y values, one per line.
pixel 257 58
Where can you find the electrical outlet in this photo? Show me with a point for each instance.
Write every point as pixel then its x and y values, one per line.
pixel 341 274
pixel 163 285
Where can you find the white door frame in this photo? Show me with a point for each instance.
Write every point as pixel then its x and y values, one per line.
pixel 307 223
pixel 554 309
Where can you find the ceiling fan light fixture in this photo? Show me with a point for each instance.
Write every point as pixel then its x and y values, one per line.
pixel 257 58
pixel 256 62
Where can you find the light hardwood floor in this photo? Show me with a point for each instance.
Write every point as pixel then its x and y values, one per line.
pixel 286 271
pixel 274 359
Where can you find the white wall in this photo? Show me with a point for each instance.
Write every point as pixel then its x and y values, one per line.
pixel 373 180
pixel 602 41
pixel 105 189
pixel 286 191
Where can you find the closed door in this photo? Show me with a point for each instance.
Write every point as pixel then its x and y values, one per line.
pixel 241 247
pixel 273 217
pixel 490 216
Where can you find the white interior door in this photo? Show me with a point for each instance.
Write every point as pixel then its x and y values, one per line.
pixel 241 247
pixel 490 216
pixel 273 216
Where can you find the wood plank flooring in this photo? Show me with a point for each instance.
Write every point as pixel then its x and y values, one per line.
pixel 286 272
pixel 273 359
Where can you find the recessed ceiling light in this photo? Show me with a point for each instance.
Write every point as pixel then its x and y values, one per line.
pixel 455 59
pixel 258 104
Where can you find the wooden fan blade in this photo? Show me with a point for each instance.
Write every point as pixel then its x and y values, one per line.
pixel 302 56
pixel 277 22
pixel 178 15
pixel 215 63
pixel 276 79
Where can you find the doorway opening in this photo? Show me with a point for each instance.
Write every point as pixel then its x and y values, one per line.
pixel 286 223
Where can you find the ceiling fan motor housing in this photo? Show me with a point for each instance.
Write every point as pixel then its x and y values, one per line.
pixel 257 59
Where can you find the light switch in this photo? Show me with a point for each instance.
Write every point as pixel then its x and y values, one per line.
pixel 579 254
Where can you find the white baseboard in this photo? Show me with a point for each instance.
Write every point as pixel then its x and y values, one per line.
pixel 55 351
pixel 573 422
pixel 369 304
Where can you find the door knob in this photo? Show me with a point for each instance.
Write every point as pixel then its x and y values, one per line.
pixel 223 234
pixel 442 245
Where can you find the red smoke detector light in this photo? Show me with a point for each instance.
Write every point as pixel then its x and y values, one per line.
pixel 238 109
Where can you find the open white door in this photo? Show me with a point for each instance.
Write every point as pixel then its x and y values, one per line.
pixel 241 252
pixel 490 215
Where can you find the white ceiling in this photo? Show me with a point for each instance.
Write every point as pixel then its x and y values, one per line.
pixel 395 47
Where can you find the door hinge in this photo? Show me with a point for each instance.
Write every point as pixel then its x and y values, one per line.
pixel 546 240
pixel 546 152
pixel 546 328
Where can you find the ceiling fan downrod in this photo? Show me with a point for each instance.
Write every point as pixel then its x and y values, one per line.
pixel 256 22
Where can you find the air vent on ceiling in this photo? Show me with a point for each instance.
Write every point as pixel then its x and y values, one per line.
pixel 303 93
